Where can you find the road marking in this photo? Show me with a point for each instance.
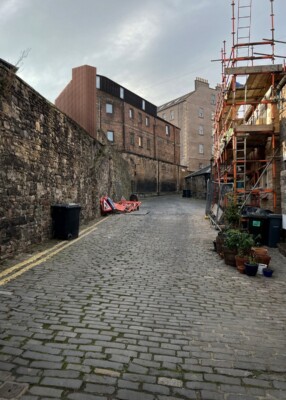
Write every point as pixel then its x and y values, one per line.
pixel 39 259
pixel 28 261
pixel 39 255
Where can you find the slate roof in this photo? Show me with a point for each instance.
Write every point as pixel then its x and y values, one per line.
pixel 203 171
pixel 173 102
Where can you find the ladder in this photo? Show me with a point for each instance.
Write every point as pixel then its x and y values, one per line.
pixel 243 28
pixel 240 157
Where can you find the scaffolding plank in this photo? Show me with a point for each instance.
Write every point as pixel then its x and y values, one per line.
pixel 254 69
pixel 255 128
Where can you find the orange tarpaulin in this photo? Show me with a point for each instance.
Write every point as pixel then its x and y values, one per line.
pixel 107 205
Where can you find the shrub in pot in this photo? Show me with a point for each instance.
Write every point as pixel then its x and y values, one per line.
pixel 219 243
pixel 231 213
pixel 251 266
pixel 244 245
pixel 230 246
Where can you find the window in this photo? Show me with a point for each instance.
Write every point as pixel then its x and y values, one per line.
pixel 139 118
pixel 201 112
pixel 132 138
pixel 97 82
pixel 164 116
pixel 148 144
pixel 213 99
pixel 140 141
pixel 131 113
pixel 167 130
pixel 200 165
pixel 147 121
pixel 172 115
pixel 143 104
pixel 121 93
pixel 110 136
pixel 212 116
pixel 201 148
pixel 201 130
pixel 109 108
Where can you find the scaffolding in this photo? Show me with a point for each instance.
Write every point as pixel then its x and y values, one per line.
pixel 246 127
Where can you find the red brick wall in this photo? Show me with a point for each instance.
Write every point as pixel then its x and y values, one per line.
pixel 154 141
pixel 114 121
pixel 151 143
pixel 78 99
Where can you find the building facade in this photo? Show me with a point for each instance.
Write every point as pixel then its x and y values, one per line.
pixel 193 113
pixel 114 115
pixel 283 155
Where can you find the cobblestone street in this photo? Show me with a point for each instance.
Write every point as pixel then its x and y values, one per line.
pixel 142 308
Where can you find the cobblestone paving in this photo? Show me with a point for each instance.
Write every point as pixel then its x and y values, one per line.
pixel 143 309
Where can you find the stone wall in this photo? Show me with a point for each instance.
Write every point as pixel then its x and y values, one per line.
pixel 151 177
pixel 193 114
pixel 46 158
pixel 283 159
pixel 198 186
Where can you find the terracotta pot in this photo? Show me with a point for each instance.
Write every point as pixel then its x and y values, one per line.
pixel 259 250
pixel 263 259
pixel 240 263
pixel 241 269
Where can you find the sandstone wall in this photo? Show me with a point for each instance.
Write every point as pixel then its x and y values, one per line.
pixel 46 158
pixel 149 176
pixel 283 160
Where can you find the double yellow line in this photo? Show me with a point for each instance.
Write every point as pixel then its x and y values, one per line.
pixel 42 257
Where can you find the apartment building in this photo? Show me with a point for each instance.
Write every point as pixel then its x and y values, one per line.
pixel 116 116
pixel 193 113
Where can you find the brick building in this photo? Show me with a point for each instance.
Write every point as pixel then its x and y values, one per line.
pixel 193 113
pixel 115 115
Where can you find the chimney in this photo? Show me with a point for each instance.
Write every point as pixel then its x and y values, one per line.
pixel 201 82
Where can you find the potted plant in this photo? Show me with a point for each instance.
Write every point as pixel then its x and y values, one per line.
pixel 244 245
pixel 261 255
pixel 251 266
pixel 219 242
pixel 231 213
pixel 267 272
pixel 230 246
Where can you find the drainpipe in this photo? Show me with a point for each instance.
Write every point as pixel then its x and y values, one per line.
pixel 123 120
pixel 158 177
pixel 156 157
pixel 99 113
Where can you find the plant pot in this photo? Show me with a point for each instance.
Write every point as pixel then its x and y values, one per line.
pixel 241 269
pixel 259 250
pixel 267 272
pixel 229 256
pixel 240 260
pixel 251 269
pixel 260 268
pixel 219 244
pixel 263 258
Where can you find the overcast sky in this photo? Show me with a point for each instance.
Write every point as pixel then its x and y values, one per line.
pixel 155 48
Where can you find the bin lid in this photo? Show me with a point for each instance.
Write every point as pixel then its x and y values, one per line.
pixel 67 205
pixel 257 216
pixel 249 210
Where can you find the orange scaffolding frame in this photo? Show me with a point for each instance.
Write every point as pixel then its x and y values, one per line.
pixel 246 128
